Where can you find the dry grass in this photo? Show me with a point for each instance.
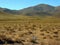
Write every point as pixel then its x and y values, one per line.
pixel 30 33
pixel 29 30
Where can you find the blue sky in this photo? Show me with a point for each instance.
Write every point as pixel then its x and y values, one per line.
pixel 20 4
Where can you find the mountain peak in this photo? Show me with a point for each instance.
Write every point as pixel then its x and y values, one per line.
pixel 44 5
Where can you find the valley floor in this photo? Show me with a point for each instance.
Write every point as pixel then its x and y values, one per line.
pixel 29 33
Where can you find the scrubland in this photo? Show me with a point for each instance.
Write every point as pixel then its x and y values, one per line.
pixel 29 32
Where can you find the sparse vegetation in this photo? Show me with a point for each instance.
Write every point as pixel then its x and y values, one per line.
pixel 34 33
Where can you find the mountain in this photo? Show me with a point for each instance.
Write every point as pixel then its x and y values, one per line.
pixel 40 10
pixel 5 10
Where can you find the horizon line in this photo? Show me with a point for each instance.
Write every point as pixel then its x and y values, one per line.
pixel 30 6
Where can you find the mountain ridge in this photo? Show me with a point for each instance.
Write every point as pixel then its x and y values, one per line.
pixel 40 10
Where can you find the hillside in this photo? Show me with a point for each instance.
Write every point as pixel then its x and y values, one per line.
pixel 40 10
pixel 8 11
pixel 41 13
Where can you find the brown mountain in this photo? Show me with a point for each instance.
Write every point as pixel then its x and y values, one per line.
pixel 41 10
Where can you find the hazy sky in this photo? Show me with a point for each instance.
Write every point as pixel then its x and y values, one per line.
pixel 20 4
